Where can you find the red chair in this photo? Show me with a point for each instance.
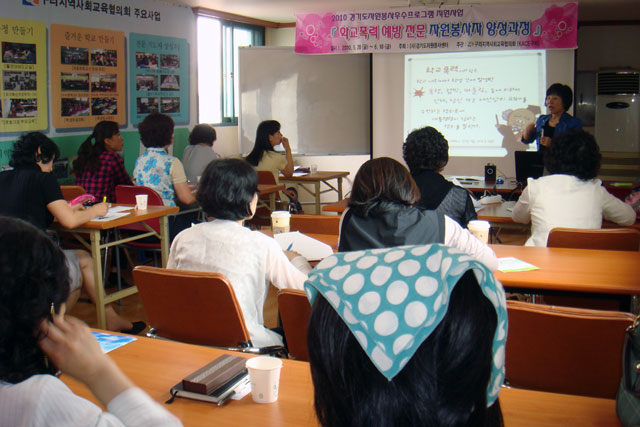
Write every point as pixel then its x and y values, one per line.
pixel 126 194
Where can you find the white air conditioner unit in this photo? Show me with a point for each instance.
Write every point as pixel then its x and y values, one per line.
pixel 618 111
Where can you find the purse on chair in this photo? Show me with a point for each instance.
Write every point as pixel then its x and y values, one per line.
pixel 628 398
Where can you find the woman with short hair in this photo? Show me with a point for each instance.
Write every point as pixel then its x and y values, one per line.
pixel 571 195
pixel 409 336
pixel 426 153
pixel 199 153
pixel 228 193
pixel 37 339
pixel 558 101
pixel 382 213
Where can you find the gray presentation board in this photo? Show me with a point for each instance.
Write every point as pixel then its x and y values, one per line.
pixel 322 101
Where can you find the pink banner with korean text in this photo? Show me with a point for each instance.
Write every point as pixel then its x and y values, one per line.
pixel 448 28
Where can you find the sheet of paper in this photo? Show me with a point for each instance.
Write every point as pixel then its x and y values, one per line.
pixel 300 173
pixel 110 216
pixel 511 264
pixel 242 389
pixel 116 209
pixel 308 247
pixel 109 342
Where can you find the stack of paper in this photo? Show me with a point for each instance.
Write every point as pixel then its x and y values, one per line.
pixel 308 247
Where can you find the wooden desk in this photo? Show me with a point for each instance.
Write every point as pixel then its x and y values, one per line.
pixel 497 212
pixel 94 229
pixel 272 191
pixel 316 179
pixel 574 270
pixel 157 365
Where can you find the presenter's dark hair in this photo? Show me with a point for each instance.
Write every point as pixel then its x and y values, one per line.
pixel 574 152
pixel 156 130
pixel 564 92
pixel 92 147
pixel 265 129
pixel 34 275
pixel 25 150
pixel 202 134
pixel 380 182
pixel 226 189
pixel 444 383
pixel 425 149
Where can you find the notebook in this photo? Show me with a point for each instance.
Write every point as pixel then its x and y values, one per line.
pixel 529 164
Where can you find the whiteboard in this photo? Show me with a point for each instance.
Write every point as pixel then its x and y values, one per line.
pixel 323 102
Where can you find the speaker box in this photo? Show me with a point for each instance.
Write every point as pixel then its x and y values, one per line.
pixel 490 173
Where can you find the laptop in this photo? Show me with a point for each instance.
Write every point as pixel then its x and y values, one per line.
pixel 529 164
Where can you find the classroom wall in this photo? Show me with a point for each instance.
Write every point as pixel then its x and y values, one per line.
pixel 176 21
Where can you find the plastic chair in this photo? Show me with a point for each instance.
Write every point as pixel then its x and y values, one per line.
pixel 194 307
pixel 70 192
pixel 315 224
pixel 294 313
pixel 565 350
pixel 615 239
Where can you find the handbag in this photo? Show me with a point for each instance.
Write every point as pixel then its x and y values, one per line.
pixel 628 398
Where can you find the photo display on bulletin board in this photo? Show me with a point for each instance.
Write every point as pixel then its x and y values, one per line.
pixel 23 90
pixel 87 76
pixel 159 77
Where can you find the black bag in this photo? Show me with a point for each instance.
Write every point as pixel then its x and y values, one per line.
pixel 628 398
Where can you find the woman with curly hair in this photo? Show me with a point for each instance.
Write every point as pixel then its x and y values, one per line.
pixel 426 152
pixel 382 214
pixel 37 340
pixel 571 195
pixel 99 168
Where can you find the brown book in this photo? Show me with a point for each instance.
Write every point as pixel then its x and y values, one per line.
pixel 215 374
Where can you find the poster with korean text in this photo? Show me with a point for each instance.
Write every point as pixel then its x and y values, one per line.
pixel 87 76
pixel 159 77
pixel 23 93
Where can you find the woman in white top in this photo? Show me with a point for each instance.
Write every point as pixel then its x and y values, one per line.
pixel 228 193
pixel 35 343
pixel 570 196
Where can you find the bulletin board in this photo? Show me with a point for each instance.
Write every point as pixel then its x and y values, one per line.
pixel 159 77
pixel 23 91
pixel 87 76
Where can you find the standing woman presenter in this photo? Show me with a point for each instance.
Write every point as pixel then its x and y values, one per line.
pixel 558 101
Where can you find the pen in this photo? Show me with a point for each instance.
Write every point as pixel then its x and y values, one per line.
pixel 224 399
pixel 290 246
pixel 104 199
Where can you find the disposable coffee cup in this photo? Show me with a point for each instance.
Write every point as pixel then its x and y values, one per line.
pixel 264 373
pixel 480 229
pixel 141 201
pixel 280 221
pixel 313 168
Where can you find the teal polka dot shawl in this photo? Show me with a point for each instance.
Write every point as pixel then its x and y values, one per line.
pixel 392 299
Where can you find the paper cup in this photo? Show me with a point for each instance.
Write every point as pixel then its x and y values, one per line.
pixel 141 201
pixel 280 221
pixel 264 373
pixel 480 229
pixel 313 168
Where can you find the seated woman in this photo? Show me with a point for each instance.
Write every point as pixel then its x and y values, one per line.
pixel 30 192
pixel 558 101
pixel 199 153
pixel 571 196
pixel 382 213
pixel 99 167
pixel 228 193
pixel 410 336
pixel 157 169
pixel 265 158
pixel 426 152
pixel 36 342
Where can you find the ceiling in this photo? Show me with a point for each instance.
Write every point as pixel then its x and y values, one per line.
pixel 285 10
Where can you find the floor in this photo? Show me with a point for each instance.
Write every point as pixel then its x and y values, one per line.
pixel 131 307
